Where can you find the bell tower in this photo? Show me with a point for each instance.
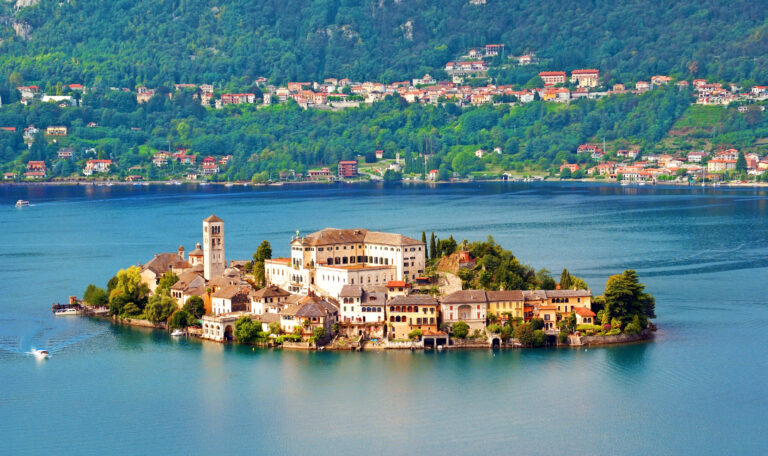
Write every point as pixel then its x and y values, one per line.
pixel 214 262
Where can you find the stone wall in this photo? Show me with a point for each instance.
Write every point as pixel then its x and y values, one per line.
pixel 605 340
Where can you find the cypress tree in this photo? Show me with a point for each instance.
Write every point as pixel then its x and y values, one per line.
pixel 432 247
pixel 741 163
pixel 565 280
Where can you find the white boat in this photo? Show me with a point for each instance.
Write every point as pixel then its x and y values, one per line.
pixel 624 183
pixel 177 333
pixel 229 184
pixel 40 354
pixel 67 311
pixel 22 203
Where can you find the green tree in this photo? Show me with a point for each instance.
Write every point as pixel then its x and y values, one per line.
pixel 432 247
pixel 159 308
pixel 741 163
pixel 263 252
pixel 274 328
pixel 318 334
pixel 460 329
pixel 565 280
pixel 166 282
pixel 246 330
pixel 180 319
pixel 415 334
pixel 195 306
pixel 625 297
pixel 537 323
pixel 95 296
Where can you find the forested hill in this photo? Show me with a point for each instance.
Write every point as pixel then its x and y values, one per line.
pixel 154 42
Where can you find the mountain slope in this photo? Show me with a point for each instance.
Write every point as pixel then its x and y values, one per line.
pixel 125 42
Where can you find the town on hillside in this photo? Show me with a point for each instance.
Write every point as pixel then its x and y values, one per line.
pixel 355 288
pixel 463 89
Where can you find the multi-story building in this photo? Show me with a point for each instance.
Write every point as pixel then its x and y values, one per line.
pixel 270 299
pixel 408 313
pixel 552 77
pixel 56 131
pixel 469 306
pixel 362 311
pixel 35 169
pixel 586 78
pixel 347 169
pixel 506 303
pixel 237 98
pixel 325 261
pixel 308 313
pixel 96 166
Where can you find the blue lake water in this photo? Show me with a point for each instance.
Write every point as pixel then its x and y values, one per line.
pixel 699 388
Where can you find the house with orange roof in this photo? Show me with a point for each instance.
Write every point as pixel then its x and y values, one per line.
pixel 586 78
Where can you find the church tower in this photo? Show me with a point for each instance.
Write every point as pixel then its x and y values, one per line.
pixel 213 247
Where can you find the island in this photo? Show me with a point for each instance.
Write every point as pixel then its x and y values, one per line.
pixel 356 289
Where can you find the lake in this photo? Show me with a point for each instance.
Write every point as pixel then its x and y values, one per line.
pixel 699 388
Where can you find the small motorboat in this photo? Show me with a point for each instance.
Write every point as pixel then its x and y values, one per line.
pixel 22 203
pixel 177 333
pixel 41 354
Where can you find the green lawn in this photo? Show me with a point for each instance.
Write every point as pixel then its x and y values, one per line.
pixel 698 116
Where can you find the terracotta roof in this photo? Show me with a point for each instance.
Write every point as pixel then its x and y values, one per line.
pixel 568 293
pixel 465 296
pixel 162 262
pixel 270 291
pixel 314 306
pixel 268 317
pixel 185 279
pixel 351 291
pixel 547 307
pixel 213 218
pixel 505 295
pixel 583 312
pixel 396 283
pixel 231 291
pixel 534 295
pixel 358 235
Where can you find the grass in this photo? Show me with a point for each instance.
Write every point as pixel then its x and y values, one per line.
pixel 699 116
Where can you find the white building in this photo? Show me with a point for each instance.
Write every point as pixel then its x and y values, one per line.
pixel 327 260
pixel 362 312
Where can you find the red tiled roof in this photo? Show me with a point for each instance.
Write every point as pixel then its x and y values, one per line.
pixel 583 312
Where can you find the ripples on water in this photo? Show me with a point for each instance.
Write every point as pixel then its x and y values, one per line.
pixel 699 388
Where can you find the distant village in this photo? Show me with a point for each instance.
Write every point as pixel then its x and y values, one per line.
pixel 333 93
pixel 351 287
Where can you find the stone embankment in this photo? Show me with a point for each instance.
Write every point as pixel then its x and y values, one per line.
pixel 607 340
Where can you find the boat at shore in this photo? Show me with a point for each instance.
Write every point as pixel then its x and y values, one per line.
pixel 177 333
pixel 22 203
pixel 62 310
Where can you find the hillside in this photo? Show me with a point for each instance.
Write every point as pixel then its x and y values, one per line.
pixel 154 42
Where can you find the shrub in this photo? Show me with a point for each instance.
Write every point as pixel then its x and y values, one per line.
pixel 539 338
pixel 562 337
pixel 613 332
pixel 460 329
pixel 588 327
pixel 537 323
pixel 632 328
pixel 415 334
pixel 494 329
